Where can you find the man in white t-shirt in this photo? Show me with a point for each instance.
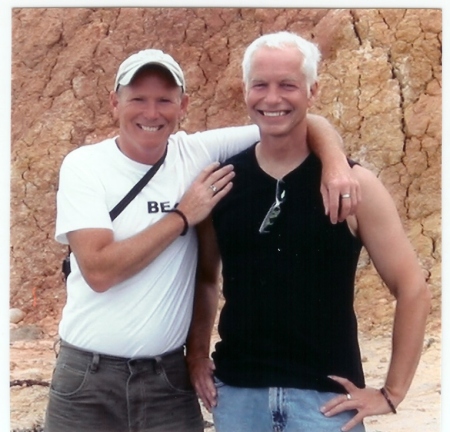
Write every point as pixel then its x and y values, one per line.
pixel 121 364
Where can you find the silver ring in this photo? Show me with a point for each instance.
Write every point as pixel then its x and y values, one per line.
pixel 213 188
pixel 345 196
pixel 349 396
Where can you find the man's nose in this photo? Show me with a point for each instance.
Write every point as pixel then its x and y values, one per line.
pixel 272 95
pixel 151 110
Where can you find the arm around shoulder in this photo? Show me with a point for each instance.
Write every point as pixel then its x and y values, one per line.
pixel 337 176
pixel 223 143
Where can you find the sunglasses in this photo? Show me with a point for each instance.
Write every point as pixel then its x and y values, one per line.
pixel 275 208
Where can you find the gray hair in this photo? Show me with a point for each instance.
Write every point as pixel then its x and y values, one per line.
pixel 280 40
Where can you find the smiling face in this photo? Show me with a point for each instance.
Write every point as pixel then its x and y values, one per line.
pixel 276 94
pixel 148 110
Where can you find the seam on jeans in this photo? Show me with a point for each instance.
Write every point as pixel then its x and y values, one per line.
pixel 67 368
pixel 277 406
pixel 164 376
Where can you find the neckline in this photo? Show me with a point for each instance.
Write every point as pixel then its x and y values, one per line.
pixel 311 156
pixel 123 158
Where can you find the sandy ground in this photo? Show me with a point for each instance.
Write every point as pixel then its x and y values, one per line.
pixel 33 359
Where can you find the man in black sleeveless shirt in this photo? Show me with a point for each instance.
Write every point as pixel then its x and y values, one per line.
pixel 289 359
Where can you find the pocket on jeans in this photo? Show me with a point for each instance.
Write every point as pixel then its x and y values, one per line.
pixel 68 377
pixel 176 376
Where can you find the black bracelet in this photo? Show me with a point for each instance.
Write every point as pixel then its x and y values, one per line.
pixel 388 400
pixel 186 223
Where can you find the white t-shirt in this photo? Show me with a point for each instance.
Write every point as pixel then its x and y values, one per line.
pixel 150 313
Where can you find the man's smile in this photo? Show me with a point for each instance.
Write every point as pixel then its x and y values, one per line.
pixel 150 128
pixel 273 113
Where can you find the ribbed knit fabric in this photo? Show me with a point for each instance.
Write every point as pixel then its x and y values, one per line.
pixel 288 320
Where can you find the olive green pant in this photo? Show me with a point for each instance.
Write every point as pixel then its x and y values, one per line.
pixel 91 392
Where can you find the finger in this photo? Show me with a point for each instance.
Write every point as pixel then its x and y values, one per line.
pixel 219 195
pixel 205 401
pixel 355 198
pixel 207 171
pixel 208 385
pixel 326 202
pixel 345 207
pixel 355 194
pixel 353 422
pixel 357 187
pixel 222 182
pixel 332 404
pixel 358 193
pixel 353 201
pixel 334 196
pixel 208 402
pixel 217 174
pixel 346 383
pixel 204 384
pixel 205 394
pixel 211 393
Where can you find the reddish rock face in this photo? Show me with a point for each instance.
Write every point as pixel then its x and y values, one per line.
pixel 380 81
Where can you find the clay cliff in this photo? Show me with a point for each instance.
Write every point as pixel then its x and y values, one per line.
pixel 381 82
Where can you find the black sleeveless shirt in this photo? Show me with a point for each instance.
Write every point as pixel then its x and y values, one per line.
pixel 288 319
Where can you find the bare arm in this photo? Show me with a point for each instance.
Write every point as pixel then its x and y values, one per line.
pixel 105 262
pixel 397 264
pixel 379 226
pixel 206 299
pixel 337 176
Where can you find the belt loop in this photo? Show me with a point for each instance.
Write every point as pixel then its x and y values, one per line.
pixel 95 362
pixel 158 365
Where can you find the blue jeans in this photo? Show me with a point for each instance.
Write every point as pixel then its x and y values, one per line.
pixel 92 392
pixel 275 409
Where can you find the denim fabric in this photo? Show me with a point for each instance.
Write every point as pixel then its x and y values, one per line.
pixel 95 393
pixel 275 409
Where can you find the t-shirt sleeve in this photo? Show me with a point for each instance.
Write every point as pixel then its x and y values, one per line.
pixel 80 200
pixel 221 144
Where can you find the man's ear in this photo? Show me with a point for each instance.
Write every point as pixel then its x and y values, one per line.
pixel 114 102
pixel 244 92
pixel 184 104
pixel 313 94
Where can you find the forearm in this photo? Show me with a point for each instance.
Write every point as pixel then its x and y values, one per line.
pixel 105 262
pixel 113 262
pixel 204 314
pixel 206 296
pixel 337 177
pixel 407 341
pixel 324 140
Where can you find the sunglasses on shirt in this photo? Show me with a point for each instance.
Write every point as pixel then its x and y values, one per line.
pixel 275 208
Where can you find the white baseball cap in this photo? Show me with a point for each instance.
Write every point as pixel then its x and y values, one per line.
pixel 132 64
